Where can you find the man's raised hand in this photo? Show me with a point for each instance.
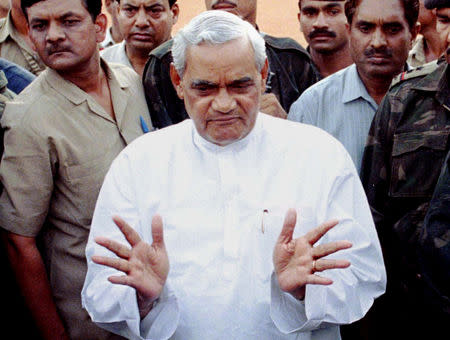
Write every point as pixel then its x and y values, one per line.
pixel 145 266
pixel 297 260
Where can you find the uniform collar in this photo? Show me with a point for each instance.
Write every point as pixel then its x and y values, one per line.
pixel 77 96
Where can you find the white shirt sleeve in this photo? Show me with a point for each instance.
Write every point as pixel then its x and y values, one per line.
pixel 354 289
pixel 114 307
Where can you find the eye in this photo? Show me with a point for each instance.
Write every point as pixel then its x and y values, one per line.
pixel 394 29
pixel 129 11
pixel 70 22
pixel 333 11
pixel 38 26
pixel 309 12
pixel 364 29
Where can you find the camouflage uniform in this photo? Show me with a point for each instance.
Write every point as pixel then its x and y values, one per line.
pixel 407 144
pixel 434 245
pixel 290 74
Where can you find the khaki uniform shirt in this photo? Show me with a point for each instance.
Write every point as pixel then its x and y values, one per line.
pixel 59 144
pixel 14 48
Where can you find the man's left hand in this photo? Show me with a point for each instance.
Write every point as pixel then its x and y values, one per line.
pixel 297 260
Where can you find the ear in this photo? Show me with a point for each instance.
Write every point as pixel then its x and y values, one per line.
pixel 414 31
pixel 264 74
pixel 176 81
pixel 175 12
pixel 101 22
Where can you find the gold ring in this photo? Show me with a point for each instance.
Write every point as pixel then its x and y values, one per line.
pixel 314 266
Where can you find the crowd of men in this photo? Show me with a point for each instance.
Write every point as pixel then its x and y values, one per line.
pixel 223 183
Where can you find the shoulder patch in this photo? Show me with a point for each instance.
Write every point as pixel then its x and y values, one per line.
pixel 416 72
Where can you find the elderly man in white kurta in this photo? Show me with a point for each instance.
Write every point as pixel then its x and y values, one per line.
pixel 231 199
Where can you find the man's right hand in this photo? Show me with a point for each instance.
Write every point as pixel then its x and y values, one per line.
pixel 145 266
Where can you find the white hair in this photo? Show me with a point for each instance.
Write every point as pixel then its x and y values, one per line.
pixel 215 27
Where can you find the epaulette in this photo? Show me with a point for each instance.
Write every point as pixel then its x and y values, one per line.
pixel 416 72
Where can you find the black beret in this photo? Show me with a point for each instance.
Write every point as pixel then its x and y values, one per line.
pixel 430 4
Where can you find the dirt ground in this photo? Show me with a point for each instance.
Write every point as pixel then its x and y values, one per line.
pixel 275 17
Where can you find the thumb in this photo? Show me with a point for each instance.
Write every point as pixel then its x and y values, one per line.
pixel 288 226
pixel 157 231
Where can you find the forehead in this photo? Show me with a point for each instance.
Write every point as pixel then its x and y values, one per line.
pixel 321 3
pixel 238 3
pixel 56 8
pixel 229 61
pixel 380 11
pixel 443 12
pixel 146 3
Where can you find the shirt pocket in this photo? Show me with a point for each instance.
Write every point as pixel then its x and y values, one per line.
pixel 417 158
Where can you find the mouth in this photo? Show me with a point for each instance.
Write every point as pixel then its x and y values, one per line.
pixel 142 36
pixel 321 35
pixel 224 120
pixel 57 51
pixel 225 6
pixel 378 59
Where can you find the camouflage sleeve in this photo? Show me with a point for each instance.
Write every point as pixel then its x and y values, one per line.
pixel 375 162
pixel 434 245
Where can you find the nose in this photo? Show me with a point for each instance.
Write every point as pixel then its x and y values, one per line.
pixel 320 21
pixel 55 32
pixel 378 39
pixel 142 19
pixel 223 102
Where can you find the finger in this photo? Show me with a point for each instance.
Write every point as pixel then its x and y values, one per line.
pixel 119 264
pixel 288 226
pixel 314 279
pixel 130 234
pixel 315 234
pixel 330 248
pixel 117 248
pixel 157 231
pixel 324 264
pixel 121 280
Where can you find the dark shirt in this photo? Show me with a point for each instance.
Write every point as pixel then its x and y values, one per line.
pixel 18 77
pixel 407 144
pixel 290 74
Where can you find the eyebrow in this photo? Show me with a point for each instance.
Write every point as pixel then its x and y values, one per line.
pixel 201 82
pixel 327 6
pixel 442 16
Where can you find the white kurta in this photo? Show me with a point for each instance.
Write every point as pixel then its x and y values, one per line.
pixel 220 240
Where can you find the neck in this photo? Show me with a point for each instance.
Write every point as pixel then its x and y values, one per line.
pixel 116 34
pixel 138 58
pixel 376 86
pixel 432 44
pixel 19 21
pixel 329 63
pixel 88 77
